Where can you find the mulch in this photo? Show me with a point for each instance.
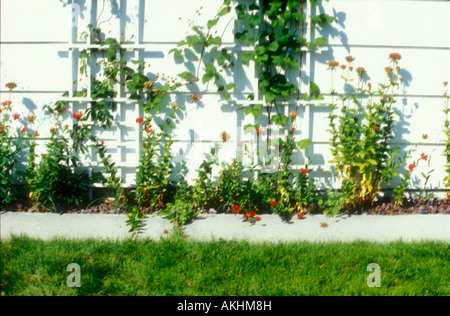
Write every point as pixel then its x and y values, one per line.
pixel 384 206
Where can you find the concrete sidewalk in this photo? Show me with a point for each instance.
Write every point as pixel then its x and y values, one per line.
pixel 207 227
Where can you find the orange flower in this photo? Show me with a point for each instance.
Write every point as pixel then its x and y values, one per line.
pixel 411 167
pixel 304 171
pixel 332 64
pixel 360 71
pixel 139 120
pixel 349 59
pixel 395 56
pixel 388 69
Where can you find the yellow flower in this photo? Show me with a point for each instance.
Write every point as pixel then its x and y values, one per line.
pixel 31 118
pixel 293 114
pixel 174 106
pixel 225 136
pixel 148 84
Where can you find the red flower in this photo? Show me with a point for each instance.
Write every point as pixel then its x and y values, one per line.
pixel 411 167
pixel 423 156
pixel 258 218
pixel 195 98
pixel 293 129
pixel 251 214
pixel 78 115
pixel 36 134
pixel 6 103
pixel 258 131
pixel 11 85
pixel 236 209
pixel 103 142
pixel 376 128
pixel 369 85
pixel 300 215
pixel 273 203
pixel 139 120
pixel 24 130
pixel 304 171
pixel 52 130
pixel 16 116
pixel 425 136
pixel 2 128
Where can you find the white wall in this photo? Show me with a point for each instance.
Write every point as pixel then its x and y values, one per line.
pixel 36 37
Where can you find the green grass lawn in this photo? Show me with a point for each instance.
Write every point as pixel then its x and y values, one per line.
pixel 179 267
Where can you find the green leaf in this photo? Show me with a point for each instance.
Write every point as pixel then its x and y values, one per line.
pixel 231 86
pixel 273 47
pixel 314 91
pixel 260 50
pixel 242 15
pixel 192 40
pixel 226 9
pixel 211 23
pixel 181 43
pixel 240 36
pixel 270 97
pixel 187 75
pixel 246 57
pixel 304 143
pixel 215 41
pixel 177 52
pixel 323 19
pixel 255 20
pixel 280 119
pixel 320 41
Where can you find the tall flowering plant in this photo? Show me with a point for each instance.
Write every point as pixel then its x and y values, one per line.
pixel 447 140
pixel 360 136
pixel 9 148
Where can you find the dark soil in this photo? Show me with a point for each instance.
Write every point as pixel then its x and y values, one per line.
pixel 382 207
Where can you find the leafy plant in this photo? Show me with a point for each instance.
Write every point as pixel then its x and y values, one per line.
pixel 360 135
pixel 9 150
pixel 203 191
pixel 447 140
pixel 54 183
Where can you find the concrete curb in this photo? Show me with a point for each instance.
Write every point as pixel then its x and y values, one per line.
pixel 231 227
